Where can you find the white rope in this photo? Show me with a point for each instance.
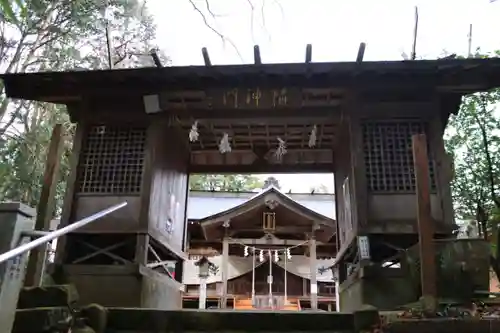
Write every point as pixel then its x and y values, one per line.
pixel 312 137
pixel 281 150
pixel 253 248
pixel 193 133
pixel 225 146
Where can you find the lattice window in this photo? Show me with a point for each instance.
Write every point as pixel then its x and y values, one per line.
pixel 388 155
pixel 112 160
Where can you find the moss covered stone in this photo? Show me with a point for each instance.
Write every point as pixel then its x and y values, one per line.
pixel 48 296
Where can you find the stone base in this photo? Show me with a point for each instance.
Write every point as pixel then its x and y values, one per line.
pixel 122 286
pixel 47 296
pixel 146 320
pixel 371 287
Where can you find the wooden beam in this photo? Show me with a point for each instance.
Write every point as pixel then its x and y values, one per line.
pixel 425 222
pixel 46 205
pixel 207 244
pixel 361 52
pixel 264 114
pixel 260 152
pixel 267 168
pixel 308 53
pixel 156 59
pixel 232 120
pixel 289 229
pixel 256 55
pixel 206 57
pixel 36 86
pixel 252 241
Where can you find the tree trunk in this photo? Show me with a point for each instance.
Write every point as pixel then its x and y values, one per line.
pixel 494 260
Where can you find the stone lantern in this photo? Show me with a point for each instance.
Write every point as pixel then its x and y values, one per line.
pixel 204 269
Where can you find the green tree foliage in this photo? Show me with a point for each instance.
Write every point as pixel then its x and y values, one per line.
pixel 230 183
pixel 272 181
pixel 41 35
pixel 473 139
pixel 23 156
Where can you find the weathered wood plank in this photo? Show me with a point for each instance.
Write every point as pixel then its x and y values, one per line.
pixel 46 205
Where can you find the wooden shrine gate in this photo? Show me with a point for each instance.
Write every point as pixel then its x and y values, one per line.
pixel 141 132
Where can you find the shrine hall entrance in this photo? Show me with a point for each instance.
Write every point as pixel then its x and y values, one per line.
pixel 264 249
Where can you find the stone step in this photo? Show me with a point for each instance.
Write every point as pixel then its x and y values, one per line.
pixel 131 320
pixel 123 320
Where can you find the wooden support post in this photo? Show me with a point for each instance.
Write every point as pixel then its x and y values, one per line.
pixel 202 302
pixel 206 57
pixel 225 267
pixel 156 59
pixel 313 267
pixel 361 52
pixel 308 53
pixel 425 223
pixel 46 205
pixel 256 55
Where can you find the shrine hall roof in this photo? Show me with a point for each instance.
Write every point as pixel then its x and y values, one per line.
pixel 203 204
pixel 460 76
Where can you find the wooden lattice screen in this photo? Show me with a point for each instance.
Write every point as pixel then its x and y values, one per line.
pixel 111 160
pixel 388 155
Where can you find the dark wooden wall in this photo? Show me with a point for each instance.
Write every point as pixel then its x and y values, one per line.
pixel 343 182
pixel 388 165
pixel 139 160
pixel 168 185
pixel 376 154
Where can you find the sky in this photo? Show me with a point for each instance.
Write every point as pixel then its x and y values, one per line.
pixel 283 28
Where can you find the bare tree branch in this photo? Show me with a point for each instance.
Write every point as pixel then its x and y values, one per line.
pixel 208 25
pixel 252 11
pixel 209 10
pixel 276 2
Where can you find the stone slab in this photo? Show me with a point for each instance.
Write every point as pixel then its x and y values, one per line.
pixel 444 326
pixel 40 320
pixel 17 207
pixel 149 320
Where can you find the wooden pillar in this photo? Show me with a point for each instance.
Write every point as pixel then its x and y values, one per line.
pixel 425 223
pixel 225 264
pixel 313 268
pixel 203 293
pixel 45 209
pixel 337 289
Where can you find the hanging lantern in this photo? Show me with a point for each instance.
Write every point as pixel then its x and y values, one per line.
pixel 276 257
pixel 193 133
pixel 245 251
pixel 224 145
pixel 281 150
pixel 312 137
pixel 288 255
pixel 261 256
